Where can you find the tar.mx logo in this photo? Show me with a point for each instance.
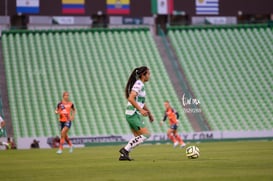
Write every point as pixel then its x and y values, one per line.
pixel 190 104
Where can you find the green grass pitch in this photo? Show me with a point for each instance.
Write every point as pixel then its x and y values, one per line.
pixel 248 160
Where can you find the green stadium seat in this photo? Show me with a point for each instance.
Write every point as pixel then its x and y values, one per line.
pixel 93 66
pixel 231 69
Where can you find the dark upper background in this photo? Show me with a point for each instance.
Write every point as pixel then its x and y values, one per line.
pixel 141 8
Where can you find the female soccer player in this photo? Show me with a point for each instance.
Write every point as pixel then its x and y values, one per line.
pixel 67 112
pixel 2 125
pixel 173 120
pixel 136 108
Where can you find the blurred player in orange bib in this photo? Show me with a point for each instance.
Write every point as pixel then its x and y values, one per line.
pixel 173 117
pixel 66 111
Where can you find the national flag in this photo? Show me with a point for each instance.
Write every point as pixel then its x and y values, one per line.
pixel 28 6
pixel 207 7
pixel 73 6
pixel 118 7
pixel 162 6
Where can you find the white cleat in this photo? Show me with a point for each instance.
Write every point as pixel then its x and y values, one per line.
pixel 175 144
pixel 59 152
pixel 71 149
pixel 183 145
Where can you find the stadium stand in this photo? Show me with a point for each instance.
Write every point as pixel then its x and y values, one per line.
pixel 230 71
pixel 93 65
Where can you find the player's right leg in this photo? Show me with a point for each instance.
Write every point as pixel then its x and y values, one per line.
pixel 64 137
pixel 69 143
pixel 172 137
pixel 68 125
pixel 64 130
pixel 60 150
pixel 179 139
pixel 141 133
pixel 139 137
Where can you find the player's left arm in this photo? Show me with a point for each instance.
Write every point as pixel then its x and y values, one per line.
pixel 151 117
pixel 2 124
pixel 57 110
pixel 164 119
pixel 73 112
pixel 177 116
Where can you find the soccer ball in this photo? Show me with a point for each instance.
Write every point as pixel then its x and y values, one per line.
pixel 192 152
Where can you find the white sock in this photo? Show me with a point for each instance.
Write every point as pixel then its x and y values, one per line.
pixel 5 143
pixel 135 142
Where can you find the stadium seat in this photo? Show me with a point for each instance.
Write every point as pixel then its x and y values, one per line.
pixel 230 69
pixel 93 65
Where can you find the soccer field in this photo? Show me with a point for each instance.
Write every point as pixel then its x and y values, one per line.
pixel 249 160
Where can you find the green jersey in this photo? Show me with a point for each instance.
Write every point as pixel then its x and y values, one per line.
pixel 140 98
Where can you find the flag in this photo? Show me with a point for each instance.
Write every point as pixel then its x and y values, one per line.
pixel 207 7
pixel 162 6
pixel 118 6
pixel 28 6
pixel 73 6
